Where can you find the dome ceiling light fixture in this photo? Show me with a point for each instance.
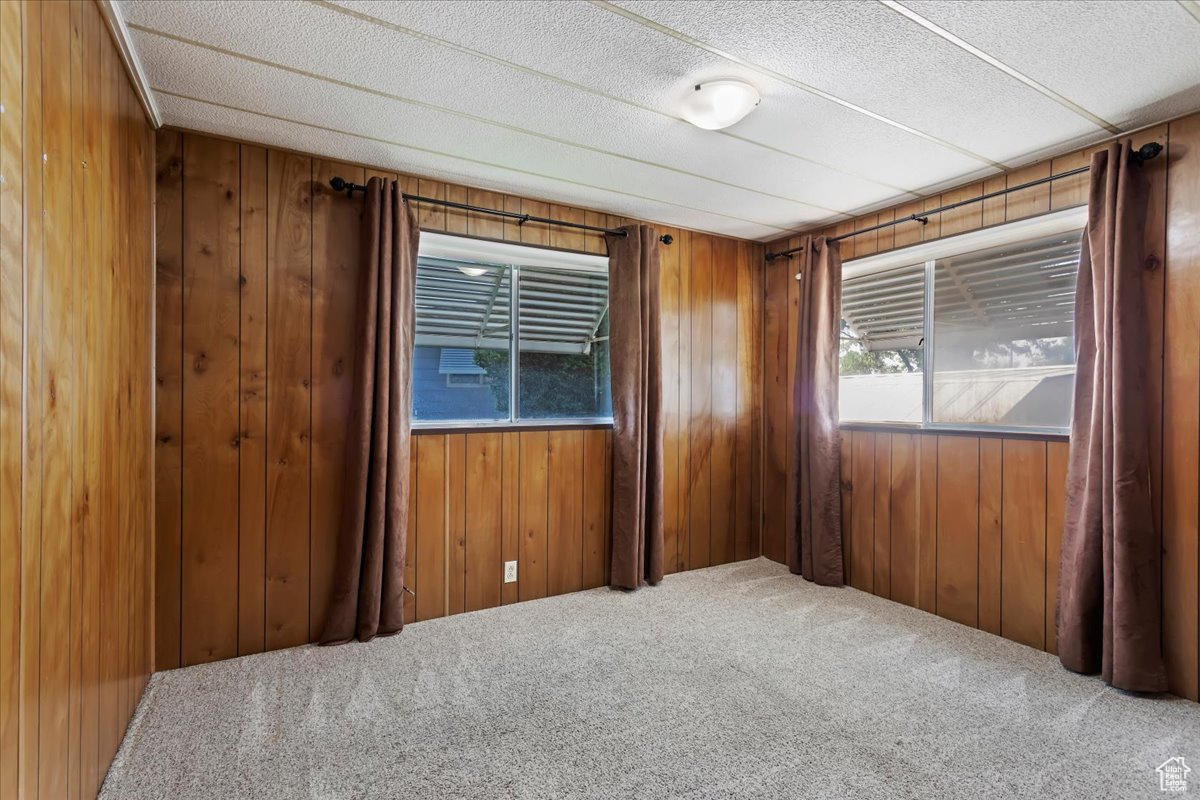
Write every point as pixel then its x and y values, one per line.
pixel 473 272
pixel 720 103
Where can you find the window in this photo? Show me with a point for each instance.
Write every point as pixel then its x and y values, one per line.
pixel 974 331
pixel 476 351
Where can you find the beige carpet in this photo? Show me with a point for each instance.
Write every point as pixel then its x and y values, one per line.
pixel 739 681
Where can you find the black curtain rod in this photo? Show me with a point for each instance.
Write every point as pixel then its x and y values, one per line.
pixel 1139 156
pixel 342 185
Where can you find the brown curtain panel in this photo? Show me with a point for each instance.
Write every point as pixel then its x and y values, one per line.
pixel 368 589
pixel 814 547
pixel 635 353
pixel 1109 585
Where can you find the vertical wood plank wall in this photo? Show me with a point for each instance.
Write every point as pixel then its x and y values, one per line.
pixel 256 296
pixel 76 294
pixel 968 527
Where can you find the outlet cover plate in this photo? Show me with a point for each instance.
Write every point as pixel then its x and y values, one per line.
pixel 510 572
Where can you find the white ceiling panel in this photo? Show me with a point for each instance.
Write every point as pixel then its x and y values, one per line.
pixel 589 45
pixel 871 56
pixel 196 72
pixel 200 73
pixel 1131 63
pixel 576 102
pixel 432 75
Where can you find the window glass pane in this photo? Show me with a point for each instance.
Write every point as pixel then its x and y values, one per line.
pixel 883 319
pixel 461 355
pixel 1003 334
pixel 563 333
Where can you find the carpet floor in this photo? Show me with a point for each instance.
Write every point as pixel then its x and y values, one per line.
pixel 739 681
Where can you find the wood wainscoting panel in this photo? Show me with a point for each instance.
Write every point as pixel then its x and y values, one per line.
pixel 483 511
pixel 958 529
pixel 1181 412
pixel 700 422
pixel 429 455
pixel 289 398
pixel 533 484
pixel 77 430
pixel 1023 557
pixel 904 493
pixel 211 278
pixel 991 496
pixel 252 394
pixel 862 522
pixel 882 545
pixel 564 512
pixel 673 332
pixel 724 409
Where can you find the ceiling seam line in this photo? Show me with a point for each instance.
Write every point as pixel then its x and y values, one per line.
pixel 470 117
pixel 469 160
pixel 385 24
pixel 683 37
pixel 996 63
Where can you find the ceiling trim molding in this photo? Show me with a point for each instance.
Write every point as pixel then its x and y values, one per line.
pixel 316 76
pixel 779 76
pixel 133 65
pixel 579 87
pixel 992 61
pixel 1192 7
pixel 479 162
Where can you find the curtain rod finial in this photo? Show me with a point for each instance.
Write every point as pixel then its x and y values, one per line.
pixel 666 238
pixel 1147 151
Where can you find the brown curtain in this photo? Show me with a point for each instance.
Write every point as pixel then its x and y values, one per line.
pixel 368 589
pixel 1109 585
pixel 814 547
pixel 635 352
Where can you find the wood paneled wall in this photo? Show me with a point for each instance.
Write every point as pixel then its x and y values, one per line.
pixel 967 527
pixel 75 399
pixel 963 526
pixel 256 297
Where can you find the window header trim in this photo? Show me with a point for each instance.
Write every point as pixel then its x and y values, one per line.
pixel 994 236
pixel 486 251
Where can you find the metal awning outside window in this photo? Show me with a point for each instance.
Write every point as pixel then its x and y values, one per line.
pixel 559 311
pixel 458 361
pixel 1025 290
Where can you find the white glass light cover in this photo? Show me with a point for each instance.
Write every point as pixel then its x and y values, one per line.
pixel 473 272
pixel 718 104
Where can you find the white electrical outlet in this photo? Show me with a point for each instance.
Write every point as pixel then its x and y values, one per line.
pixel 510 572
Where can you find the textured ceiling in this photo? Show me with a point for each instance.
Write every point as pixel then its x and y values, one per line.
pixel 864 103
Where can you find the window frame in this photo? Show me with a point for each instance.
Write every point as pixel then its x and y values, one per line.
pixel 929 253
pixel 514 256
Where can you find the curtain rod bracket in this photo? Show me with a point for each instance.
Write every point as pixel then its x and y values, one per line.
pixel 1146 152
pixel 342 185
